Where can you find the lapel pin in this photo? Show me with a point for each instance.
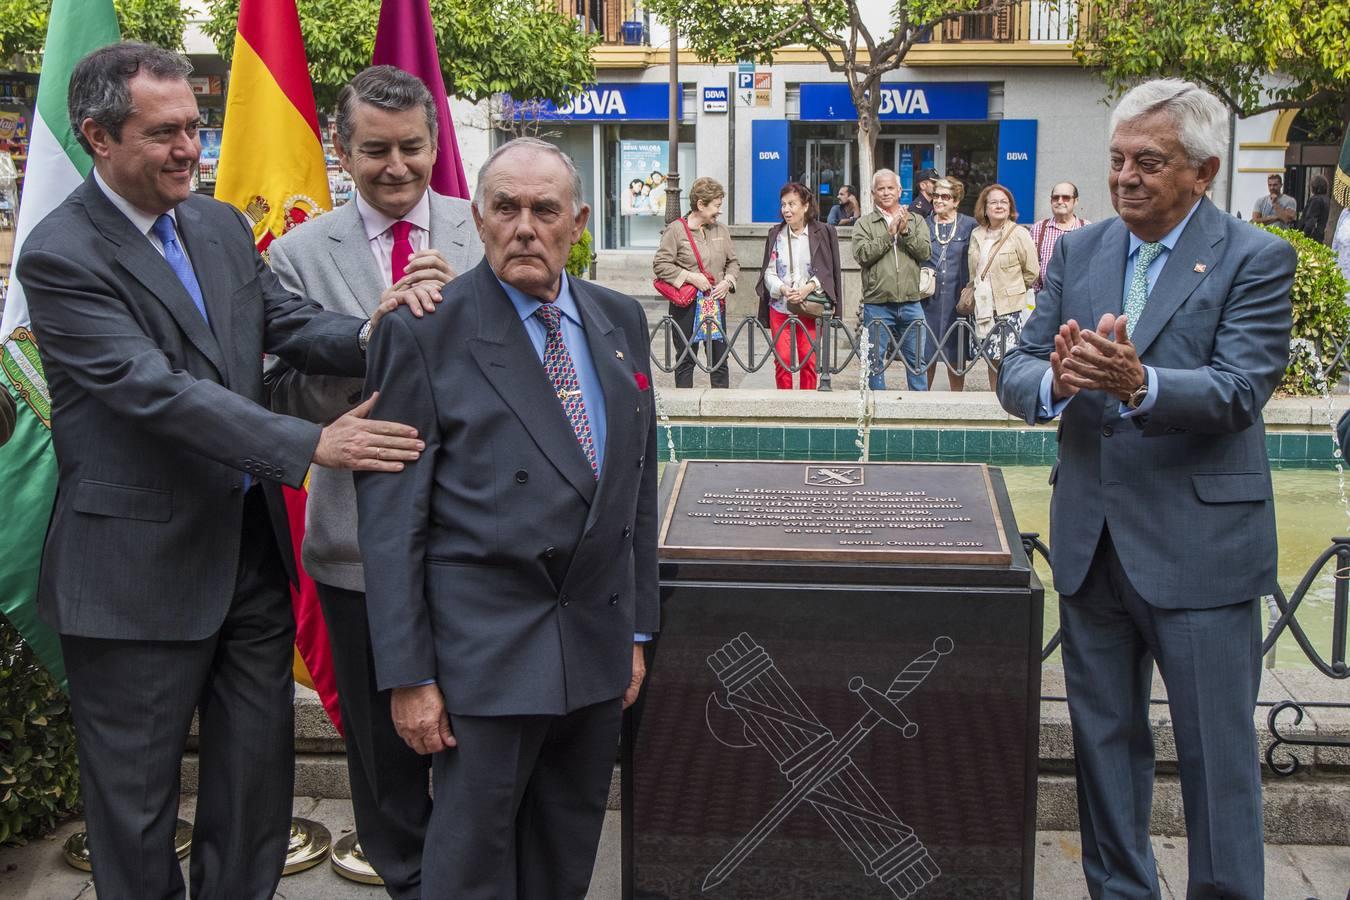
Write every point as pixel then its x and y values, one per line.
pixel 619 354
pixel 1200 267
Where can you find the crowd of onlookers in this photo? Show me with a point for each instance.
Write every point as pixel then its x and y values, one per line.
pixel 925 267
pixel 921 262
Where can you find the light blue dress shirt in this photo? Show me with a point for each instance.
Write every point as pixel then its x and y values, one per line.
pixel 1049 409
pixel 574 336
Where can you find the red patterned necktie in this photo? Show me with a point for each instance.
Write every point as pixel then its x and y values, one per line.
pixel 398 260
pixel 563 375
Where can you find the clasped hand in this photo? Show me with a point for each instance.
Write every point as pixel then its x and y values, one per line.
pixel 420 287
pixel 1101 360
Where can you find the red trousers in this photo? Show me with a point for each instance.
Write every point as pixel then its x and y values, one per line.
pixel 787 340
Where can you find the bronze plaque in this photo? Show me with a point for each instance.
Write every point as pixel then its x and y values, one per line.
pixel 892 512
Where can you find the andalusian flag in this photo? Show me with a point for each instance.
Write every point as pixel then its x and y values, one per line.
pixel 56 166
pixel 272 168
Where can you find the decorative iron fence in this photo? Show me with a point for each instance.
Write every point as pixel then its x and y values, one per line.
pixel 1337 555
pixel 837 344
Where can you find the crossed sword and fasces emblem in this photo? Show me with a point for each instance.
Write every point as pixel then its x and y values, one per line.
pixel 818 765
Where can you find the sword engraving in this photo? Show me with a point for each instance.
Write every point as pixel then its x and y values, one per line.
pixel 818 766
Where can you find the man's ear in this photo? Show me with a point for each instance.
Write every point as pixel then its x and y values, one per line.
pixel 98 137
pixel 579 223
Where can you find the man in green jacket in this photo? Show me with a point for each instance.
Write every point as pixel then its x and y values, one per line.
pixel 890 243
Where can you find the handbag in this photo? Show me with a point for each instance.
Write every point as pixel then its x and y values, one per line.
pixel 927 281
pixel 814 304
pixel 965 304
pixel 683 295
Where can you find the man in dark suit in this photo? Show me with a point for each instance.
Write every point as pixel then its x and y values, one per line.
pixel 8 415
pixel 396 232
pixel 161 572
pixel 517 557
pixel 1162 519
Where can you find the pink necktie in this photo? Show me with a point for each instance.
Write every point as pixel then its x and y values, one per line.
pixel 398 260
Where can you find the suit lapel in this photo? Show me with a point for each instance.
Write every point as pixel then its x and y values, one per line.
pixel 1107 278
pixel 201 246
pixel 447 231
pixel 352 258
pixel 144 263
pixel 614 367
pixel 509 362
pixel 1187 265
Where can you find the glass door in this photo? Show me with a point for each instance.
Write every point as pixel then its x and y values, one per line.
pixel 910 159
pixel 828 164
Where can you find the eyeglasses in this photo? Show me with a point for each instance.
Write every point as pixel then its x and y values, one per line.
pixel 943 197
pixel 1062 197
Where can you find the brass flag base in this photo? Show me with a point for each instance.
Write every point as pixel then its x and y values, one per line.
pixel 76 848
pixel 308 846
pixel 351 863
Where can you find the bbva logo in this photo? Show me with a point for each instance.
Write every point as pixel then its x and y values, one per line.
pixel 594 103
pixel 769 154
pixel 903 102
pixel 1014 156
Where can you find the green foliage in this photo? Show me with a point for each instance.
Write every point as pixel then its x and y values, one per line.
pixel 1321 315
pixel 581 256
pixel 525 47
pixel 1229 47
pixel 39 775
pixel 23 25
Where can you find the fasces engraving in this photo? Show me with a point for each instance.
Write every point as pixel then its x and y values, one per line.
pixel 868 518
pixel 931 512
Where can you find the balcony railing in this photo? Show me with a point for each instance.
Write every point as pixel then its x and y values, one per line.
pixel 1030 21
pixel 616 21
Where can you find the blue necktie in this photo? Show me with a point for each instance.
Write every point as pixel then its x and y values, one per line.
pixel 178 261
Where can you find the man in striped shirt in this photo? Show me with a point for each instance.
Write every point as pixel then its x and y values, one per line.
pixel 1046 232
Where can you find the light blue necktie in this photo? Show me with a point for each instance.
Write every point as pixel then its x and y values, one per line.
pixel 1138 293
pixel 178 261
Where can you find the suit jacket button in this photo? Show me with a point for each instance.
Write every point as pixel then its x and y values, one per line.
pixel 548 552
pixel 627 531
pixel 522 476
pixel 641 460
pixel 563 601
pixel 1107 431
pixel 613 599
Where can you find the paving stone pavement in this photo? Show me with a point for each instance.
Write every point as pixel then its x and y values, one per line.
pixel 37 871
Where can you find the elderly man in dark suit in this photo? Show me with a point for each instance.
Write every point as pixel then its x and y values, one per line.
pixel 516 559
pixel 396 232
pixel 1157 340
pixel 161 573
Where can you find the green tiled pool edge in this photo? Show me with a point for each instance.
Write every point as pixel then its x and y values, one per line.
pixel 1005 446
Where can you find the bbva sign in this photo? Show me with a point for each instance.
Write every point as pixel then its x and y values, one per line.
pixel 594 102
pixel 903 102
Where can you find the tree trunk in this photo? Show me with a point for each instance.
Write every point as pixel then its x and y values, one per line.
pixel 869 124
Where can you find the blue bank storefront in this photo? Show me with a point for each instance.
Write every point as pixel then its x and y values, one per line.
pixel 616 133
pixel 942 125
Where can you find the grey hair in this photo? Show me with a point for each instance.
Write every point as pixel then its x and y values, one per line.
pixel 100 84
pixel 538 146
pixel 384 87
pixel 1201 119
pixel 879 172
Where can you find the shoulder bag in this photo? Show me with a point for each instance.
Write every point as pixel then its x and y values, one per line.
pixel 965 304
pixel 683 295
pixel 814 304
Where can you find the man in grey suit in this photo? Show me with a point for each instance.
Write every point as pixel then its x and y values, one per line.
pixel 1162 521
pixel 396 232
pixel 161 572
pixel 516 560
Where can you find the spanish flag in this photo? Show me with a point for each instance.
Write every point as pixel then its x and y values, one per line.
pixel 272 169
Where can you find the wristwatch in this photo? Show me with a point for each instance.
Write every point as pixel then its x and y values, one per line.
pixel 363 336
pixel 1139 394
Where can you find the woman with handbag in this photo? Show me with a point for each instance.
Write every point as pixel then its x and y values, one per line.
pixel 695 268
pixel 1003 266
pixel 950 231
pixel 800 276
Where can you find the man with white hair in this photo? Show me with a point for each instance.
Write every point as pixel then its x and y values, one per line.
pixel 1157 340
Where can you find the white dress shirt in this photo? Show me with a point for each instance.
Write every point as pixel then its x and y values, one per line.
pixel 143 220
pixel 381 237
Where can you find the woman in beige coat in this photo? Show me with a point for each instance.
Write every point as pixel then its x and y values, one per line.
pixel 1001 294
pixel 702 322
